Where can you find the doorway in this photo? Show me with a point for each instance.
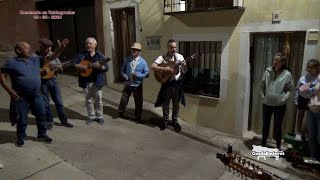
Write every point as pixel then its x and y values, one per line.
pixel 124 36
pixel 263 46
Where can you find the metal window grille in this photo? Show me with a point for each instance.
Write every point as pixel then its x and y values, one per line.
pixel 203 76
pixel 191 5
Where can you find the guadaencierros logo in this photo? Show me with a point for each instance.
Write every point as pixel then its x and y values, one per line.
pixel 266 152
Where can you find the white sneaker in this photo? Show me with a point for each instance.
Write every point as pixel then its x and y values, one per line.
pixel 1 166
pixel 298 137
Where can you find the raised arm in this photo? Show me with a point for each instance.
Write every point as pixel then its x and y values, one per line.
pixel 57 52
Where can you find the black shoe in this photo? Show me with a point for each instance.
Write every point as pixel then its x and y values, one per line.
pixel 67 124
pixel 49 126
pixel 45 139
pixel 138 120
pixel 120 115
pixel 163 125
pixel 176 127
pixel 20 143
pixel 100 121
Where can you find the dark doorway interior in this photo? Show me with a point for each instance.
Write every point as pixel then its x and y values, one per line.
pixel 124 36
pixel 263 47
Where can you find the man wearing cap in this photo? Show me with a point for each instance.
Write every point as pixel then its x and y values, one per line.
pixel 92 85
pixel 50 87
pixel 134 70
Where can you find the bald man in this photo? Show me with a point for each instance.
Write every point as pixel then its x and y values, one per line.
pixel 92 85
pixel 24 72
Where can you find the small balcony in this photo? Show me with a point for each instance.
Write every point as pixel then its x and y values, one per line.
pixel 174 7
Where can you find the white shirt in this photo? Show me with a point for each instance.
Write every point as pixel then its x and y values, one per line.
pixel 134 63
pixel 179 57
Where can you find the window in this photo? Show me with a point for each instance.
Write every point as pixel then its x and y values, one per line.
pixel 174 5
pixel 207 4
pixel 203 76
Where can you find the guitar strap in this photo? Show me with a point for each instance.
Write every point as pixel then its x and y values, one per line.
pixel 165 58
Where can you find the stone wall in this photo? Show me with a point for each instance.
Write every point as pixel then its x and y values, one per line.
pixel 5 53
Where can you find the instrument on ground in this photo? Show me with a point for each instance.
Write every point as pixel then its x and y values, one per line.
pixel 300 161
pixel 243 167
pixel 162 76
pixel 89 66
pixel 50 69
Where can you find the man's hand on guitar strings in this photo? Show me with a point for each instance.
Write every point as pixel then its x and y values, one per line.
pixel 82 68
pixel 169 69
pixel 96 65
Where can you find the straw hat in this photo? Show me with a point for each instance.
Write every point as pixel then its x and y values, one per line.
pixel 136 46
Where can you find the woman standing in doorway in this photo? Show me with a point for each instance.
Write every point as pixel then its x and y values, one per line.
pixel 276 87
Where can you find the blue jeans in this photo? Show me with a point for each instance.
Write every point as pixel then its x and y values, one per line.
pixel 22 107
pixel 50 88
pixel 313 120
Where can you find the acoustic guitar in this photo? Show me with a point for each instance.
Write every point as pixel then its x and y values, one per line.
pixel 89 66
pixel 50 69
pixel 162 76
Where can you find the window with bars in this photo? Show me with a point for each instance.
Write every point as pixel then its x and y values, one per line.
pixel 203 76
pixel 194 5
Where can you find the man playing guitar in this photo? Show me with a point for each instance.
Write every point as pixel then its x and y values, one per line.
pixel 172 89
pixel 50 86
pixel 92 85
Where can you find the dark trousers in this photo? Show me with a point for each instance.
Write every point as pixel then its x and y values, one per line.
pixel 313 120
pixel 22 107
pixel 51 88
pixel 13 113
pixel 279 112
pixel 138 99
pixel 172 92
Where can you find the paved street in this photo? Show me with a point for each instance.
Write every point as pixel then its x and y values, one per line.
pixel 120 149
